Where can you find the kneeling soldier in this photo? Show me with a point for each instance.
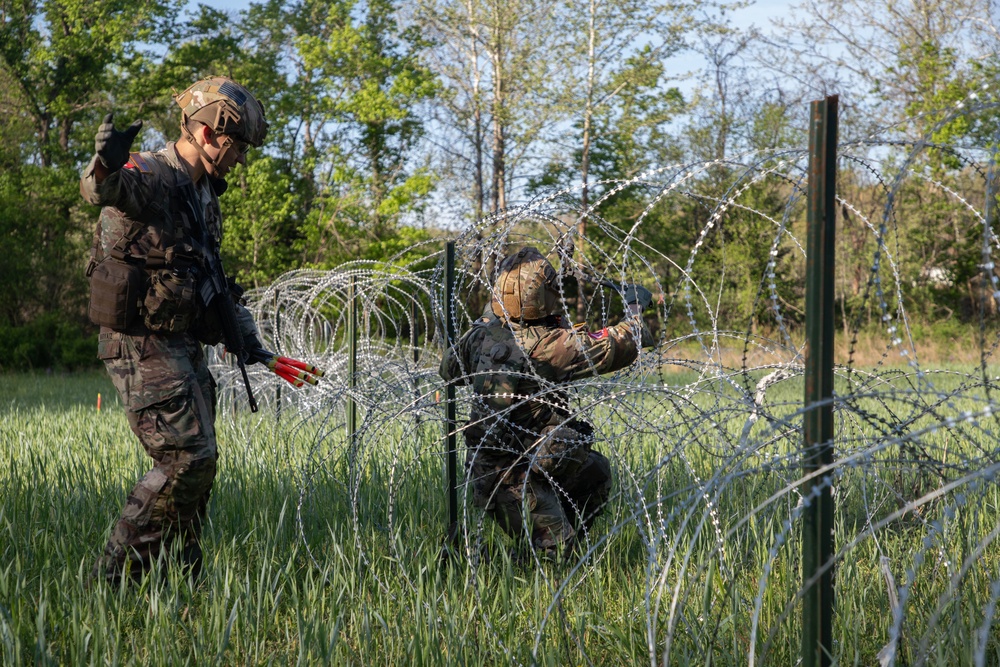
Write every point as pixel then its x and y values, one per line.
pixel 532 463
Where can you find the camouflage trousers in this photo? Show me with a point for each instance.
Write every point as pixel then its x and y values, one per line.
pixel 169 397
pixel 551 507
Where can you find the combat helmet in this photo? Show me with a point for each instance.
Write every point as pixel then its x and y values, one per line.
pixel 226 107
pixel 525 287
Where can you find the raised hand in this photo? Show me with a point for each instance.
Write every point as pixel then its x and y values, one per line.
pixel 112 146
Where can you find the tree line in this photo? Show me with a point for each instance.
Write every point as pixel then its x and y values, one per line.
pixel 397 121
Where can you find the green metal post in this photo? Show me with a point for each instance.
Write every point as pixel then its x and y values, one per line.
pixel 450 413
pixel 277 348
pixel 352 358
pixel 414 330
pixel 414 337
pixel 817 520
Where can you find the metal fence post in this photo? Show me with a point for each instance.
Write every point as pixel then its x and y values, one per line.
pixel 450 412
pixel 352 358
pixel 817 519
pixel 277 348
pixel 414 329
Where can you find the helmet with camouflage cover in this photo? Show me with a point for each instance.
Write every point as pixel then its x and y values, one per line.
pixel 226 107
pixel 525 287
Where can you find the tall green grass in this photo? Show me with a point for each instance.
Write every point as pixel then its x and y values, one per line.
pixel 316 555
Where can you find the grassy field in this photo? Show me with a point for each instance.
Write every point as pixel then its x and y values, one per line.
pixel 320 553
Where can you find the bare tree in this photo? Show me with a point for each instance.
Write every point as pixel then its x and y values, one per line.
pixel 608 43
pixel 492 58
pixel 898 58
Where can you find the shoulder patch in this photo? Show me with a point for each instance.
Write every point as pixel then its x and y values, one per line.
pixel 599 335
pixel 137 161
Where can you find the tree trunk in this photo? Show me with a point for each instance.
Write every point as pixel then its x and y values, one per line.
pixel 588 115
pixel 477 119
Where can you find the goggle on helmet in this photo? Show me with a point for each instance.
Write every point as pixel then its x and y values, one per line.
pixel 226 107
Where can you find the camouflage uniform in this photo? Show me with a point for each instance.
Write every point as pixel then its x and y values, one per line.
pixel 161 376
pixel 527 456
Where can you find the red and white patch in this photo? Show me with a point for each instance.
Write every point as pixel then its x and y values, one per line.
pixel 599 335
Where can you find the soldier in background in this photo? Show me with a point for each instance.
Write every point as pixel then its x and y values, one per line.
pixel 160 218
pixel 531 462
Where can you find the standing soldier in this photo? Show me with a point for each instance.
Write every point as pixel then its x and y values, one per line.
pixel 531 461
pixel 160 220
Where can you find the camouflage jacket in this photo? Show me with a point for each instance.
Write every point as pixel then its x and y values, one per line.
pixel 516 372
pixel 153 190
pixel 149 189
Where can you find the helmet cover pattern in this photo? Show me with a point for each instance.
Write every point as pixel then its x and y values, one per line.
pixel 225 106
pixel 525 287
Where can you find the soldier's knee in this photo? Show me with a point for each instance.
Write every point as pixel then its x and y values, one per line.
pixel 194 481
pixel 142 503
pixel 550 527
pixel 506 506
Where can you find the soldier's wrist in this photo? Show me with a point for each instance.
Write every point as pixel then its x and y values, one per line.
pixel 101 171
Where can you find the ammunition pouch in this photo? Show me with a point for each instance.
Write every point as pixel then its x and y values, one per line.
pixel 117 287
pixel 171 302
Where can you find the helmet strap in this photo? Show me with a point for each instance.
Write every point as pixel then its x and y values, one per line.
pixel 211 165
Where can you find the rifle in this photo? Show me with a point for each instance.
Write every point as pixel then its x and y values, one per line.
pixel 214 292
pixel 216 295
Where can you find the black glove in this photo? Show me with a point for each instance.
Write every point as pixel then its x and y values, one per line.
pixel 632 293
pixel 112 147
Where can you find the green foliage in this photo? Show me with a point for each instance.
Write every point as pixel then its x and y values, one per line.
pixel 38 217
pixel 62 54
pixel 259 215
pixel 742 241
pixel 343 129
pixel 574 93
pixel 629 135
pixel 47 342
pixel 941 86
pixel 338 158
pixel 403 246
pixel 60 60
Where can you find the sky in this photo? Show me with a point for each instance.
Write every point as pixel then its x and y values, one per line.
pixel 222 5
pixel 759 14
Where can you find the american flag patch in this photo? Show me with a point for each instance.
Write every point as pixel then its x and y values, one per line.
pixel 139 162
pixel 233 92
pixel 599 335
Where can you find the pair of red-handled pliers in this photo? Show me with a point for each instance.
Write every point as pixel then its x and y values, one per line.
pixel 295 372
